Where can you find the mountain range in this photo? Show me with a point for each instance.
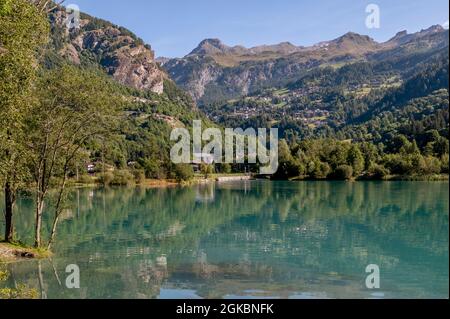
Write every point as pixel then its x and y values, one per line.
pixel 215 72
pixel 343 87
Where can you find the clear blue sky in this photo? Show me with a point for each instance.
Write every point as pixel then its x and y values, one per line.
pixel 174 27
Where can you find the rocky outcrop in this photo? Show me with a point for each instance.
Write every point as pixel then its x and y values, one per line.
pixel 125 57
pixel 203 71
pixel 71 53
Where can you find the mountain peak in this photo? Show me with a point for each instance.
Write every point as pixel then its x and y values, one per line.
pixel 210 47
pixel 355 37
pixel 212 41
pixel 286 44
pixel 280 48
pixel 434 28
pixel 350 42
pixel 401 34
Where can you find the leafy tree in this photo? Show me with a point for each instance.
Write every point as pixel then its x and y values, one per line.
pixel 320 170
pixel 288 166
pixel 23 31
pixel 370 154
pixel 356 160
pixel 75 106
pixel 441 146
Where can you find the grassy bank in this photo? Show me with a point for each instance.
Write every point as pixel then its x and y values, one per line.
pixel 14 251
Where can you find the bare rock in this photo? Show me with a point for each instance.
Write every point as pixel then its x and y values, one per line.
pixel 117 50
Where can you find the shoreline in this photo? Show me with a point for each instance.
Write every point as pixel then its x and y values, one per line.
pixel 389 178
pixel 11 252
pixel 163 183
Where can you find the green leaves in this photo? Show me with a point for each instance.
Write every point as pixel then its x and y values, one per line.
pixel 5 7
pixel 23 31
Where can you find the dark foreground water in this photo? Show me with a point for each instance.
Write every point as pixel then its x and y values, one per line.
pixel 247 240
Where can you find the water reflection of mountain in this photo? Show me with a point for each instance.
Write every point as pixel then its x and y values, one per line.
pixel 279 237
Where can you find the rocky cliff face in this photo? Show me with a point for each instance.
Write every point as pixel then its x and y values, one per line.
pixel 119 52
pixel 214 72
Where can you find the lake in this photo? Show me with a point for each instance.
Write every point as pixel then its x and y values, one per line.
pixel 252 239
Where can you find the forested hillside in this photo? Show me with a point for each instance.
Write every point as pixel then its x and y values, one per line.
pixel 391 105
pixel 152 104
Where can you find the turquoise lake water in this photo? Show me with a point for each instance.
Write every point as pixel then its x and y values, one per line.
pixel 253 239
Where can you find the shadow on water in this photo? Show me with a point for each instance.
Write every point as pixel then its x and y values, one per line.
pixel 246 239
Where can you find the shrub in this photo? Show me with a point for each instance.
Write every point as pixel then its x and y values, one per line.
pixel 225 168
pixel 86 179
pixel 139 176
pixel 444 164
pixel 320 170
pixel 343 172
pixel 206 170
pixel 378 171
pixel 183 172
pixel 106 178
pixel 430 165
pixel 397 164
pixel 122 177
pixel 153 169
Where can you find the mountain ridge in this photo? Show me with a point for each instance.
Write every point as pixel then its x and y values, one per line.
pixel 210 46
pixel 214 71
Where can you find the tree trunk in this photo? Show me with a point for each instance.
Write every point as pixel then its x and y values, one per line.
pixel 53 233
pixel 9 206
pixel 58 207
pixel 38 224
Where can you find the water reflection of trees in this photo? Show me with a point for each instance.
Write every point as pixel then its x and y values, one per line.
pixel 275 233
